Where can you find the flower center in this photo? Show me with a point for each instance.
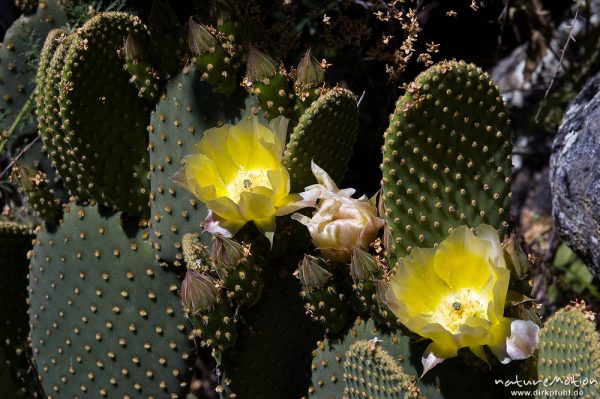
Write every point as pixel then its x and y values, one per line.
pixel 456 308
pixel 247 180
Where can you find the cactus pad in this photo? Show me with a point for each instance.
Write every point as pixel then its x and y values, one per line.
pixel 184 112
pixel 105 317
pixel 19 59
pixel 570 347
pixel 326 134
pixel 101 116
pixel 446 156
pixel 370 372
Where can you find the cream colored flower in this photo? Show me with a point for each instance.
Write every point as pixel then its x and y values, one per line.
pixel 340 222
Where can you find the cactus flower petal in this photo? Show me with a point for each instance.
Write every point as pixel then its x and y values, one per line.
pixel 455 295
pixel 239 175
pixel 340 222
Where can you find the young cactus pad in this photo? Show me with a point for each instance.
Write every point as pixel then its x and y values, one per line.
pixel 446 156
pixel 105 318
pixel 325 134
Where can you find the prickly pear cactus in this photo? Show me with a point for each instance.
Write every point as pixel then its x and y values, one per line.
pixel 105 317
pixel 446 156
pixel 15 242
pixel 18 62
pixel 100 115
pixel 570 349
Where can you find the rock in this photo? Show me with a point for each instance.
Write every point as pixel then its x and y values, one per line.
pixel 575 176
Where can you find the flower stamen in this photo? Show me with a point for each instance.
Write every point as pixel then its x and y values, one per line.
pixel 246 180
pixel 457 307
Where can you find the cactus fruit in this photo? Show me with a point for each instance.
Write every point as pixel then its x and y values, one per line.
pixel 216 57
pixel 210 312
pixel 325 134
pixel 569 348
pixel 370 372
pixel 184 111
pixel 239 267
pixel 15 242
pixel 270 84
pixel 324 301
pixel 104 316
pixel 18 62
pixel 446 156
pixel 98 108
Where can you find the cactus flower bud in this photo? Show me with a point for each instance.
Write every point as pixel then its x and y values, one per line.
pixel 134 48
pixel 260 65
pixel 363 265
pixel 312 273
pixel 226 251
pixel 310 71
pixel 199 292
pixel 516 259
pixel 199 38
pixel 340 222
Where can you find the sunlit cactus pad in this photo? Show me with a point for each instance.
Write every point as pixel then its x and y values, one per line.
pixel 570 349
pixel 446 156
pixel 105 318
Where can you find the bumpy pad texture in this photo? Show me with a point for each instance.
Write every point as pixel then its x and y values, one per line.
pixel 335 373
pixel 19 57
pixel 570 347
pixel 325 133
pixel 370 372
pixel 271 358
pixel 186 109
pixel 446 156
pixel 15 242
pixel 101 116
pixel 105 318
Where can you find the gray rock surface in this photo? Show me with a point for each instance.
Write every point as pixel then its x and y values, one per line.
pixel 575 175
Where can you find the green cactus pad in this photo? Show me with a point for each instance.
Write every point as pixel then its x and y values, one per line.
pixel 570 346
pixel 102 117
pixel 332 376
pixel 271 358
pixel 45 95
pixel 186 109
pixel 19 59
pixel 15 242
pixel 370 372
pixel 105 317
pixel 37 180
pixel 326 134
pixel 446 156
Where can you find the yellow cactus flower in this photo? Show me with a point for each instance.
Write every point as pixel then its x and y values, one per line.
pixel 455 295
pixel 237 172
